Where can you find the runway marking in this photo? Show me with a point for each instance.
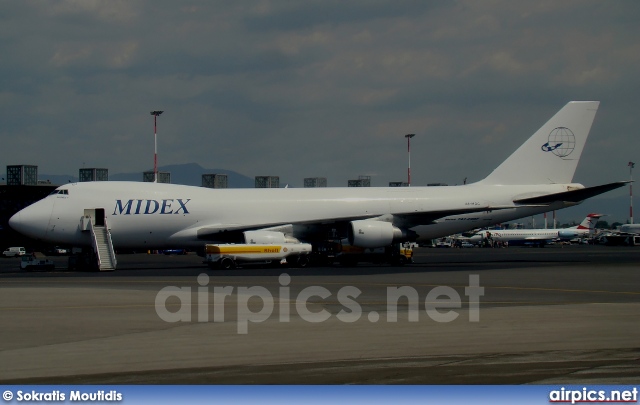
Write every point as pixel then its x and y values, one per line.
pixel 232 304
pixel 213 284
pixel 568 290
pixel 528 289
pixel 80 307
pixel 496 287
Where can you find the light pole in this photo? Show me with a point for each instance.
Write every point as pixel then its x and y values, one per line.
pixel 155 144
pixel 409 136
pixel 631 166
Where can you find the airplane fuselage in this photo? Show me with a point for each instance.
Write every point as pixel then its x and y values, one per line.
pixel 153 215
pixel 529 235
pixel 535 178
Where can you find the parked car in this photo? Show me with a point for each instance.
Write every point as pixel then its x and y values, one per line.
pixel 14 251
pixel 444 243
pixel 57 251
pixel 174 252
pixel 61 251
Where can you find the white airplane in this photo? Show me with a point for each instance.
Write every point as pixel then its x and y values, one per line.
pixel 630 228
pixel 539 236
pixel 536 178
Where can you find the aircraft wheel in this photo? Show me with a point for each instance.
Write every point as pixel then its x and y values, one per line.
pixel 226 263
pixel 401 260
pixel 348 262
pixel 302 261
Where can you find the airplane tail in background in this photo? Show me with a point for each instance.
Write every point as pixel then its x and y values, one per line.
pixel 590 222
pixel 552 154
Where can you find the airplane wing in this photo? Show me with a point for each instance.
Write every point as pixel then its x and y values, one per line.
pixel 411 219
pixel 573 195
pixel 232 232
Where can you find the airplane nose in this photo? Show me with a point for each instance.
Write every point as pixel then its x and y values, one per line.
pixel 31 221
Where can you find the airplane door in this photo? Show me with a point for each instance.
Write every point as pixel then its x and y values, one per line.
pixel 99 217
pixel 95 216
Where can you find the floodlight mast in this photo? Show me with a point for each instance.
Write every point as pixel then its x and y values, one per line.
pixel 155 144
pixel 409 136
pixel 631 166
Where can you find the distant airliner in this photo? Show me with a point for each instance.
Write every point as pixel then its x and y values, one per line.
pixel 630 228
pixel 539 236
pixel 108 215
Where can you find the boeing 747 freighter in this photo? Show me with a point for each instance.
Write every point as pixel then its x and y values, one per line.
pixel 536 178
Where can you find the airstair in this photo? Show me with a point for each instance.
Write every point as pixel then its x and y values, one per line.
pixel 101 240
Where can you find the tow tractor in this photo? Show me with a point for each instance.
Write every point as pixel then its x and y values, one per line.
pixel 36 261
pixel 345 254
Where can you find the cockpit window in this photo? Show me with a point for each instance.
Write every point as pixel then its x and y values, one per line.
pixel 63 192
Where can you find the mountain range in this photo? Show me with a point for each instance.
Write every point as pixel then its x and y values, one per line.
pixel 188 174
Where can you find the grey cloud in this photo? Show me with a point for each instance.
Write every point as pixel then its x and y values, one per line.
pixel 318 88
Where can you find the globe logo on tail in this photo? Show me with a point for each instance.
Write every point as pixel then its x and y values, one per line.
pixel 561 142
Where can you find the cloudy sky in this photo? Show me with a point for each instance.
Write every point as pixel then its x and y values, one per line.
pixel 314 88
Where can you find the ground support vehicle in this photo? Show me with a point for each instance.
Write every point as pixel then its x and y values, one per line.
pixel 36 261
pixel 229 256
pixel 340 251
pixel 83 260
pixel 14 251
pixel 621 239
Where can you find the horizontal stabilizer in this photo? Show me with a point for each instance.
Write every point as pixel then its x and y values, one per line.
pixel 573 195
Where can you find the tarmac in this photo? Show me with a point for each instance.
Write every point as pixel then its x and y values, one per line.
pixel 557 315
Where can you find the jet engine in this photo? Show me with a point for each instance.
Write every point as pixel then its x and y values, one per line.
pixel 373 234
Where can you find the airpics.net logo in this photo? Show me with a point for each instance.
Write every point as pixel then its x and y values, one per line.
pixel 586 395
pixel 256 304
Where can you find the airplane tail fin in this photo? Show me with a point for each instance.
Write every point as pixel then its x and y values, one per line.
pixel 551 155
pixel 590 221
